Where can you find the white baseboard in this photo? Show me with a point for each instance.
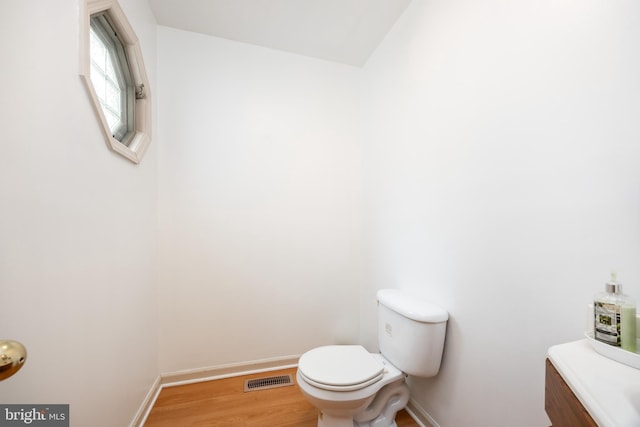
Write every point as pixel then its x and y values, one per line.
pixel 226 371
pixel 421 416
pixel 190 376
pixel 147 404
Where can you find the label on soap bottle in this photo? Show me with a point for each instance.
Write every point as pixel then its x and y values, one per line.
pixel 607 323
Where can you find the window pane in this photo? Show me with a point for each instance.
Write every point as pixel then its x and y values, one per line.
pixel 113 98
pixel 109 71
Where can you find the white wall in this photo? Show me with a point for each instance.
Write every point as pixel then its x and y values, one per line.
pixel 501 157
pixel 259 189
pixel 500 179
pixel 77 226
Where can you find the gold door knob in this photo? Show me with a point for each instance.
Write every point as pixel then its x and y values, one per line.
pixel 12 357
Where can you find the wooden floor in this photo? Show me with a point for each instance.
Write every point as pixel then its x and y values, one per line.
pixel 223 403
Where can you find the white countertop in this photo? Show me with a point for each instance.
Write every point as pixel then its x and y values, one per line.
pixel 609 390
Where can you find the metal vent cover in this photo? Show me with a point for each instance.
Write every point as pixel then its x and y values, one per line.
pixel 265 383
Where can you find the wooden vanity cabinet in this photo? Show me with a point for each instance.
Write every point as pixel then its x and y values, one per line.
pixel 562 406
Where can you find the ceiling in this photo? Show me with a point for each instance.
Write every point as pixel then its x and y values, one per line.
pixel 345 31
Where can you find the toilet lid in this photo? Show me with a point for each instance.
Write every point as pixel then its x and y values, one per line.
pixel 340 367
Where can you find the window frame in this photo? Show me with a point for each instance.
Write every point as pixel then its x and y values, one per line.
pixel 138 138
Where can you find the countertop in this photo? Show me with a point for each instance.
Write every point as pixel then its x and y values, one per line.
pixel 608 390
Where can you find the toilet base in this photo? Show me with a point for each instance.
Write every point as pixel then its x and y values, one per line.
pixel 326 420
pixel 380 413
pixel 329 421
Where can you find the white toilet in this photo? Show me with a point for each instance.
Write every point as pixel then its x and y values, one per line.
pixel 352 387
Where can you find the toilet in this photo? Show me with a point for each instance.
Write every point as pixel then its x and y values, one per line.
pixel 354 388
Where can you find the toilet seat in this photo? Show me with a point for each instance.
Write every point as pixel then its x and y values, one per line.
pixel 340 367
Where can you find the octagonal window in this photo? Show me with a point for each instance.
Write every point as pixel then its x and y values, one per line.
pixel 115 78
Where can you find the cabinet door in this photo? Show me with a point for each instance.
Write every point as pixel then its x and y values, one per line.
pixel 562 406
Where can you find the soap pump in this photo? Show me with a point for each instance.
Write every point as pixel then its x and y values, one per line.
pixel 615 316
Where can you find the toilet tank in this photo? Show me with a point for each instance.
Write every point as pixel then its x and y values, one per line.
pixel 411 332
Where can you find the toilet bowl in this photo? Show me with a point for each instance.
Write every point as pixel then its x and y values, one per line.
pixel 352 387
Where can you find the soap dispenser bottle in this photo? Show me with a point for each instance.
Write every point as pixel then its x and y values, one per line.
pixel 615 316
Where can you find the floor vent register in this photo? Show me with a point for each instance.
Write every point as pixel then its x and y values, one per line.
pixel 265 383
